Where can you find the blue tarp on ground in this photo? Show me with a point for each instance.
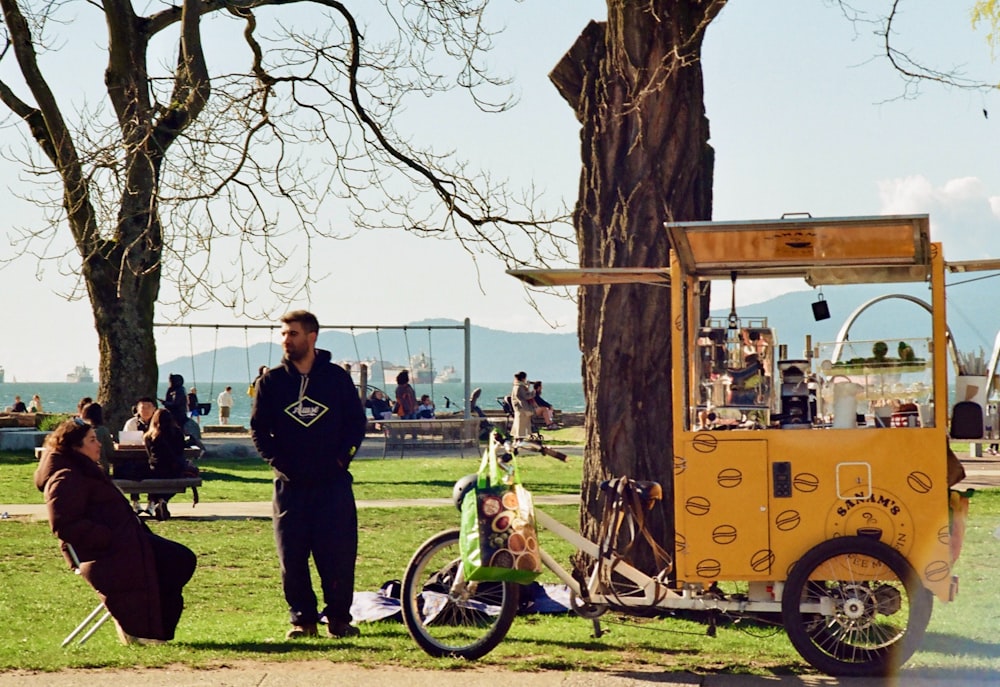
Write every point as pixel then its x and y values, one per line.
pixel 382 605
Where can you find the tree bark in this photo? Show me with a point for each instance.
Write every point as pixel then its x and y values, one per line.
pixel 636 86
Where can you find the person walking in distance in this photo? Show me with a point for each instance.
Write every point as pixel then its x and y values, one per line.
pixel 307 422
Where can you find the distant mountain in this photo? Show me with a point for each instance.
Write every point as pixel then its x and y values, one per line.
pixel 972 318
pixel 496 355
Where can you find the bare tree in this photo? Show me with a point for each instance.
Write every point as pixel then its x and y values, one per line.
pixel 635 84
pixel 883 21
pixel 244 149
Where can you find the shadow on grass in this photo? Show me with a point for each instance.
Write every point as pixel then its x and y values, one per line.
pixel 209 474
pixel 217 518
pixel 18 458
pixel 320 645
pixel 428 486
pixel 425 484
pixel 656 674
pixel 951 645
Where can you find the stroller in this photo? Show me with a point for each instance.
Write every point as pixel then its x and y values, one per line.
pixel 485 426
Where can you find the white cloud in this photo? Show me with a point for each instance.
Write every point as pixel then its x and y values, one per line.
pixel 965 217
pixel 995 205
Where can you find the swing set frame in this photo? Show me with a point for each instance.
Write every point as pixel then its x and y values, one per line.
pixel 465 327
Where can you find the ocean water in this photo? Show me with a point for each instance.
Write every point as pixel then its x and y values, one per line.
pixel 61 397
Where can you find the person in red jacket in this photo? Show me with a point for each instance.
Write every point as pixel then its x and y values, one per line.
pixel 138 575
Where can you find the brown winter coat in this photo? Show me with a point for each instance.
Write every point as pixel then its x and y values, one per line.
pixel 113 545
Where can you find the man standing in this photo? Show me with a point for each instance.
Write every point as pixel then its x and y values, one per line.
pixel 307 422
pixel 225 402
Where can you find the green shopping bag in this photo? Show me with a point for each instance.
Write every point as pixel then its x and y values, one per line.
pixel 498 539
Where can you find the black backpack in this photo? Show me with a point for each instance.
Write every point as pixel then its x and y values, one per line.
pixel 967 420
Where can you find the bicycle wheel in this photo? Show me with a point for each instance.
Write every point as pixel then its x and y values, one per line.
pixel 447 617
pixel 879 608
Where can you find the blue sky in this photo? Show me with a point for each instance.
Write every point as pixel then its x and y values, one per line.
pixel 804 118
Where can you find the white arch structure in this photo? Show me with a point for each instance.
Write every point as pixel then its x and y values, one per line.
pixel 846 327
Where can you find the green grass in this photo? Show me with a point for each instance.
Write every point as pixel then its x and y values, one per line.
pixel 235 610
pixel 250 479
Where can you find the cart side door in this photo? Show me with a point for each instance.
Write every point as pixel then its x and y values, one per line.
pixel 721 509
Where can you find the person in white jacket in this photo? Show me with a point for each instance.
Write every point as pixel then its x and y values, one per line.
pixel 225 402
pixel 522 400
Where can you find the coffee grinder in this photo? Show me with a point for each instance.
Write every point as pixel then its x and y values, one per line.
pixel 796 409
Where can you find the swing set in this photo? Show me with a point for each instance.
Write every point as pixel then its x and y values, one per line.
pixel 368 373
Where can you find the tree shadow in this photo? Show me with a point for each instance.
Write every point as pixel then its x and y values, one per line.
pixel 321 645
pixel 955 645
pixel 208 474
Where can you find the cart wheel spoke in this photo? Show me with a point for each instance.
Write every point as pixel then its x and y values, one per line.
pixel 880 609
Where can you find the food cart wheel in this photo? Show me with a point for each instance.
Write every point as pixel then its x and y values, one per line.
pixel 853 606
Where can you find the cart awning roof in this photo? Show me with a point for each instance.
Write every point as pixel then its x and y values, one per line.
pixel 824 250
pixel 592 276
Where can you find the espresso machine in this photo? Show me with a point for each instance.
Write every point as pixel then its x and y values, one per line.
pixel 798 394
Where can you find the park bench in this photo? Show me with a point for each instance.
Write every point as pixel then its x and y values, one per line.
pixel 124 455
pixel 537 422
pixel 430 433
pixel 178 485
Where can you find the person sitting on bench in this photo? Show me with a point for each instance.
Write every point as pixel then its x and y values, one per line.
pixel 377 403
pixel 543 408
pixel 164 442
pixel 425 410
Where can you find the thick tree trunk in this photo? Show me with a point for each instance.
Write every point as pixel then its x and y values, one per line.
pixel 123 286
pixel 636 86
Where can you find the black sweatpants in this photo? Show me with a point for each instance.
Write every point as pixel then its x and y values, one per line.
pixel 175 564
pixel 318 520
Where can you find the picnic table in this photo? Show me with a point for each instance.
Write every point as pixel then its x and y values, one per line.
pixel 125 454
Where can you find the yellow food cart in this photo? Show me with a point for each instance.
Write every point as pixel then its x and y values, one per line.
pixel 812 483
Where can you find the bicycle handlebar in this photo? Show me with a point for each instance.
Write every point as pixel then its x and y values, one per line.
pixel 552 453
pixel 538 446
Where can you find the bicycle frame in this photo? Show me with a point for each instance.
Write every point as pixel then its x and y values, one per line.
pixel 654 594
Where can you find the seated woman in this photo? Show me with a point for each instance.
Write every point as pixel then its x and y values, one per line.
pixel 93 413
pixel 379 406
pixel 543 408
pixel 165 446
pixel 138 575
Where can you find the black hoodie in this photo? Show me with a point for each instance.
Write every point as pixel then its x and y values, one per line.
pixel 307 427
